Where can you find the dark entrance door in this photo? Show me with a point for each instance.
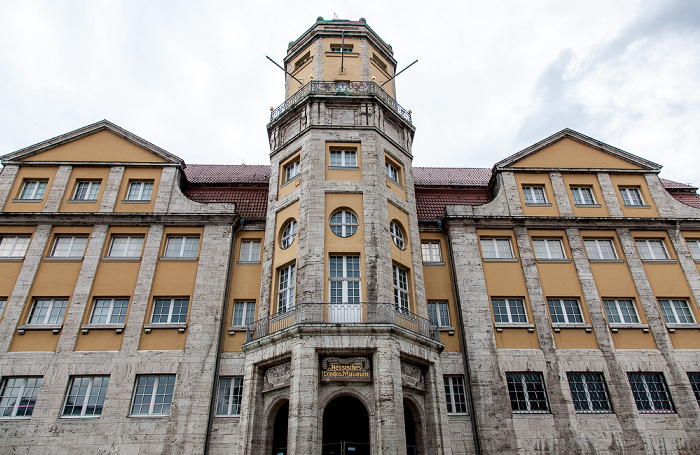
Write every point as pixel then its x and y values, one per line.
pixel 279 435
pixel 345 427
pixel 410 425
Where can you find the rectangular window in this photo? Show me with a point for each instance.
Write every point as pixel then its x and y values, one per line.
pixel 455 395
pixel 676 311
pixel 291 171
pixel 439 314
pixel 527 392
pixel 86 396
pixel 243 313
pixel 340 48
pixel 693 246
pixel 496 248
pixel 18 396
pixel 66 246
pixel 343 158
pixel 13 246
pixel 392 172
pixel 285 289
pixel 170 311
pixel 228 402
pixel 600 249
pixel 583 195
pixel 86 190
pixel 401 290
pixel 621 311
pixel 153 395
pixel 126 246
pixel 3 302
pixel 652 250
pixel 109 311
pixel 139 191
pixel 182 246
pixel 631 196
pixel 534 195
pixel 694 379
pixel 589 392
pixel 250 251
pixel 565 311
pixel 33 190
pixel 650 393
pixel 431 252
pixel 47 311
pixel 548 249
pixel 509 311
pixel 344 276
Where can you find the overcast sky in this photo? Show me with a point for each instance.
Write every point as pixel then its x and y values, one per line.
pixel 493 77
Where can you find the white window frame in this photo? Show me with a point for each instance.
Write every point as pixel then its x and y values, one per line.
pixel 431 252
pixel 348 274
pixel 285 288
pixel 583 195
pixel 229 397
pixel 27 393
pixel 54 313
pixel 120 317
pixel 289 233
pixel 401 296
pixel 587 399
pixel 496 253
pixel 250 251
pixel 169 389
pixel 86 395
pixel 594 246
pixel 170 319
pixel 512 307
pixel 144 193
pixel 93 189
pixel 631 196
pixel 243 313
pixel 614 310
pixel 347 158
pixel 647 251
pixel 455 394
pixel 534 194
pixel 14 246
pixel 130 241
pixel 76 246
pixel 569 317
pixel 397 235
pixel 345 49
pixel 648 386
pixel 36 193
pixel 439 313
pixel 392 173
pixel 678 309
pixel 694 247
pixel 292 170
pixel 348 224
pixel 526 380
pixel 549 248
pixel 182 251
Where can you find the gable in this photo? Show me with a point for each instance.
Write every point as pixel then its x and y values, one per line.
pixel 570 154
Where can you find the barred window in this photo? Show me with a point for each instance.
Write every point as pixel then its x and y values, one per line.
pixel 676 311
pixel 548 249
pixel 179 246
pixel 86 396
pixel 509 310
pixel 439 314
pixel 170 311
pixel 589 392
pixel 230 395
pixel 126 246
pixel 583 195
pixel 534 195
pixel 527 392
pixel 153 395
pixel 694 379
pixel 620 311
pixel 18 396
pixel 109 311
pixel 600 249
pixel 631 196
pixel 13 246
pixel 455 395
pixel 652 250
pixel 650 393
pixel 343 223
pixel 250 251
pixel 565 311
pixel 496 248
pixel 243 313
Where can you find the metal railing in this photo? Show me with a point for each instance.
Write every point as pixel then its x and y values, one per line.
pixel 342 88
pixel 342 314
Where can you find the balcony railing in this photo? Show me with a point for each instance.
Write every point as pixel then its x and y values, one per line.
pixel 341 88
pixel 342 314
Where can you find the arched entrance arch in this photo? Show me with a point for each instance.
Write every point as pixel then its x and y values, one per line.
pixel 413 425
pixel 346 427
pixel 280 428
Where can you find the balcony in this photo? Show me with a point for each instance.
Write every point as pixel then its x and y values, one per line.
pixel 344 89
pixel 342 314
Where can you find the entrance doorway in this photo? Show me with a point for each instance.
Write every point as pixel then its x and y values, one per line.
pixel 345 427
pixel 410 425
pixel 279 434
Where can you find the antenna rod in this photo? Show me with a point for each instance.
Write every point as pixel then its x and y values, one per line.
pixel 342 50
pixel 290 75
pixel 397 73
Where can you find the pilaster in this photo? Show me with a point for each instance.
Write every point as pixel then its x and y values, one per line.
pixel 8 174
pixel 111 190
pixel 610 195
pixel 58 188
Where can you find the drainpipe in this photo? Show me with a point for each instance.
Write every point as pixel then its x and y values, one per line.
pixel 462 340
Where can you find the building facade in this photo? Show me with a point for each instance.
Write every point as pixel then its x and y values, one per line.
pixel 340 300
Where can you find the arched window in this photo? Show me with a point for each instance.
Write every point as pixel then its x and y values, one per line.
pixel 397 235
pixel 290 231
pixel 343 223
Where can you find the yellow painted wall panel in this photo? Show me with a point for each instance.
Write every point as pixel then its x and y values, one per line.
pixel 25 173
pixel 568 153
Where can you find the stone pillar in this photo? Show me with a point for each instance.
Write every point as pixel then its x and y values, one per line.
pixel 389 431
pixel 166 187
pixel 303 433
pixel 685 259
pixel 58 187
pixel 437 421
pixel 9 173
pixel 510 189
pixel 610 195
pixel 111 190
pixel 561 195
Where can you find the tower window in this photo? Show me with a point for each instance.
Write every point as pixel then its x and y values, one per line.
pixel 285 289
pixel 397 235
pixel 344 279
pixel 401 289
pixel 343 158
pixel 344 223
pixel 291 171
pixel 288 234
pixel 303 59
pixel 341 48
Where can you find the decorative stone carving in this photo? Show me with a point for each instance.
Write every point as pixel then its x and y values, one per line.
pixel 412 376
pixel 278 376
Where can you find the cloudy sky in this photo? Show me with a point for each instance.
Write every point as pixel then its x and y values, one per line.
pixel 493 77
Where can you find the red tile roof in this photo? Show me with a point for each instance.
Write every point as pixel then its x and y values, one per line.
pixel 431 202
pixel 691 199
pixel 227 173
pixel 251 202
pixel 670 184
pixel 451 176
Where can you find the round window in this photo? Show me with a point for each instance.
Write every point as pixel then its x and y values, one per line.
pixel 343 223
pixel 397 235
pixel 288 234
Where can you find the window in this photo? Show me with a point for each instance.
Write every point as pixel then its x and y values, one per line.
pixel 126 246
pixel 676 311
pixel 431 251
pixel 439 314
pixel 139 191
pixel 288 234
pixel 496 248
pixel 631 196
pixel 304 58
pixel 693 246
pixel 534 195
pixel 340 48
pixel 69 246
pixel 527 393
pixel 694 379
pixel 182 246
pixel 343 158
pixel 3 302
pixel 583 195
pixel 33 190
pixel 86 190
pixel 565 311
pixel 18 396
pixel 589 392
pixel 109 311
pixel 397 235
pixel 170 311
pixel 285 289
pixel 653 250
pixel 509 311
pixel 153 395
pixel 621 311
pixel 343 223
pixel 650 392
pixel 250 251
pixel 401 289
pixel 600 249
pixel 548 249
pixel 455 395
pixel 243 313
pixel 291 171
pixel 344 275
pixel 86 395
pixel 47 311
pixel 14 246
pixel 228 402
pixel 392 172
